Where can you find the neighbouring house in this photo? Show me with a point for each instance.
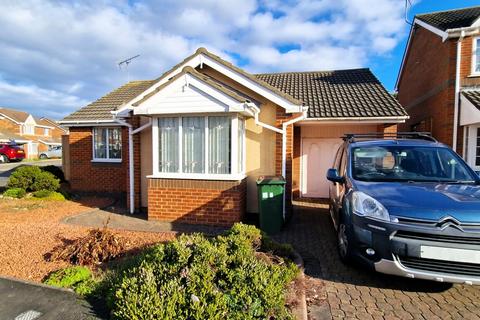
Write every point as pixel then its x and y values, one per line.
pixel 439 79
pixel 35 134
pixel 190 145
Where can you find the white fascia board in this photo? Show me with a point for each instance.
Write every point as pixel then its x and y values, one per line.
pixel 404 57
pixel 438 32
pixel 50 143
pixel 149 107
pixel 42 126
pixel 252 85
pixel 7 117
pixel 88 123
pixel 31 120
pixel 356 120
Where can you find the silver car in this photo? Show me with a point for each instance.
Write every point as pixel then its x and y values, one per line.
pixel 53 152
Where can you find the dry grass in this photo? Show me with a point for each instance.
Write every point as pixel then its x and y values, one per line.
pixel 30 229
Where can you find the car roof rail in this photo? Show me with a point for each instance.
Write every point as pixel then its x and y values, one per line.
pixel 352 137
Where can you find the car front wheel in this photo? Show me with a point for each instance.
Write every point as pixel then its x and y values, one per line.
pixel 43 156
pixel 344 244
pixel 3 158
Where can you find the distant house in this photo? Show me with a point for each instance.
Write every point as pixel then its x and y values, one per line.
pixel 35 134
pixel 439 79
pixel 190 145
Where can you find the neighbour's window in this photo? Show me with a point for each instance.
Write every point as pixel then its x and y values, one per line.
pixel 46 132
pixel 28 129
pixel 107 144
pixel 476 56
pixel 200 145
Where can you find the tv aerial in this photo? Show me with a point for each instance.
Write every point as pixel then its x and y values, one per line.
pixel 125 63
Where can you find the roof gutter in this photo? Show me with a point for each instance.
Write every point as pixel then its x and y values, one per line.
pixel 398 119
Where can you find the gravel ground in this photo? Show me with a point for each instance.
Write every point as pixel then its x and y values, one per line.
pixel 31 228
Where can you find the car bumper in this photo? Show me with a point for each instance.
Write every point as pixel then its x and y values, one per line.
pixel 397 253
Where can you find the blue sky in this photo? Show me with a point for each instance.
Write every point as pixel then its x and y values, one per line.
pixel 57 56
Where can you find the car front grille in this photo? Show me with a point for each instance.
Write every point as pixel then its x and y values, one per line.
pixel 451 267
pixel 438 237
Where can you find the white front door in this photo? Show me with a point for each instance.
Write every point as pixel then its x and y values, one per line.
pixel 317 158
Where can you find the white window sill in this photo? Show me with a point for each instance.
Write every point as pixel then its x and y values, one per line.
pixel 107 160
pixel 200 176
pixel 474 75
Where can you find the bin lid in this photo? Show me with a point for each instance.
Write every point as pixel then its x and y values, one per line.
pixel 270 180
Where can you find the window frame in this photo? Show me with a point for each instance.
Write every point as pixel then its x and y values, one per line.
pixel 234 174
pixel 107 159
pixel 474 57
pixel 46 132
pixel 29 126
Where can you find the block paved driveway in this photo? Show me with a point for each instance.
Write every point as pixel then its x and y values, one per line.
pixel 360 294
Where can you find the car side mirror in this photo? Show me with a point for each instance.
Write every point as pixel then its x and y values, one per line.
pixel 334 176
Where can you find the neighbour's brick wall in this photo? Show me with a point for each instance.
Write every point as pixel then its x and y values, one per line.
pixel 86 175
pixel 8 125
pixel 427 85
pixel 208 202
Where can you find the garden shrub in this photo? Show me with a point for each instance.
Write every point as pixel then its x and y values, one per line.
pixel 194 277
pixel 14 193
pixel 32 178
pixel 45 181
pixel 56 171
pixel 99 245
pixel 77 278
pixel 48 195
pixel 23 177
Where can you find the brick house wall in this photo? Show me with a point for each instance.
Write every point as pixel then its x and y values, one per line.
pixel 9 125
pixel 427 85
pixel 88 176
pixel 208 202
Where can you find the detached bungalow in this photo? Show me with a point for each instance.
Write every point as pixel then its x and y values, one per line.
pixel 190 145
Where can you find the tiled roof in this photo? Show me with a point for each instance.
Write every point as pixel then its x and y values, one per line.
pixel 100 109
pixel 451 19
pixel 6 136
pixel 338 94
pixel 16 115
pixel 473 96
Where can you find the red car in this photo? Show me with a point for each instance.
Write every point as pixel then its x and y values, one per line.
pixel 11 152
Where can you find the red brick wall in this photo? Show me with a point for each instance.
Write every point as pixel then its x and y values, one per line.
pixel 10 126
pixel 86 175
pixel 196 201
pixel 427 84
pixel 281 117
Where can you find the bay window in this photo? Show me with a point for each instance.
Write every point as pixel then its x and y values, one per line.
pixel 107 144
pixel 203 147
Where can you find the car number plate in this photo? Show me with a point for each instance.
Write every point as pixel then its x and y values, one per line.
pixel 450 254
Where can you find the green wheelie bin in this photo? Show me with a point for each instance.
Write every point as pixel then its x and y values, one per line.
pixel 270 203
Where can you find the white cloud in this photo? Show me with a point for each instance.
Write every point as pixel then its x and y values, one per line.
pixel 68 51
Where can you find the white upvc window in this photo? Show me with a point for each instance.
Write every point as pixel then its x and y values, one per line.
pixel 46 132
pixel 28 129
pixel 476 56
pixel 472 143
pixel 107 144
pixel 199 147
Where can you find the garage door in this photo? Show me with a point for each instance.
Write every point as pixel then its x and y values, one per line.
pixel 317 158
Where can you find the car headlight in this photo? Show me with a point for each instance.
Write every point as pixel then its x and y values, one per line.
pixel 364 205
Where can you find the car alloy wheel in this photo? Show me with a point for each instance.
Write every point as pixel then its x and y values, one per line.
pixel 3 158
pixel 43 156
pixel 343 243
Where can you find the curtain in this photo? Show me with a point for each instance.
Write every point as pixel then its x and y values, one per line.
pixel 115 143
pixel 100 143
pixel 219 137
pixel 168 144
pixel 193 144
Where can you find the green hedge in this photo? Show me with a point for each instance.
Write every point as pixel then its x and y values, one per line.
pixel 194 277
pixel 32 178
pixel 48 195
pixel 14 193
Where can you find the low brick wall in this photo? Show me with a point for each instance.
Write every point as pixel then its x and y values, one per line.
pixel 208 202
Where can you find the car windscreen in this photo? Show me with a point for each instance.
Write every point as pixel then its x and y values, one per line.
pixel 409 163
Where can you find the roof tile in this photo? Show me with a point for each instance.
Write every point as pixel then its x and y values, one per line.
pixel 451 19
